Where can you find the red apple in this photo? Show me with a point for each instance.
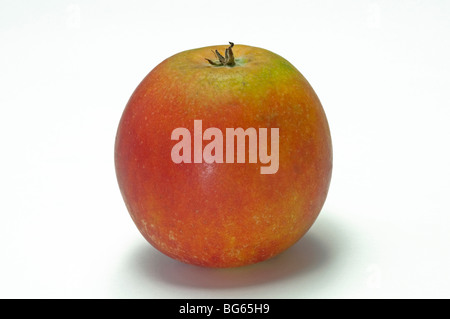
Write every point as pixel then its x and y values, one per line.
pixel 223 160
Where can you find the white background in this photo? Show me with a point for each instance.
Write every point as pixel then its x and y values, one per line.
pixel 380 68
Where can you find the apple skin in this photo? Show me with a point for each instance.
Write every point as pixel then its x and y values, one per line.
pixel 223 214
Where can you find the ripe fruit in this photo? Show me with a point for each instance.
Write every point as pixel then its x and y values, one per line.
pixel 204 207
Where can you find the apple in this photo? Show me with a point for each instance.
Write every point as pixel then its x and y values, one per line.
pixel 223 160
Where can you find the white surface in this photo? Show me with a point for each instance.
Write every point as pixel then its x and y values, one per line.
pixel 380 68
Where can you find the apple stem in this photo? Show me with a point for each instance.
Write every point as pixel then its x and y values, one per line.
pixel 228 60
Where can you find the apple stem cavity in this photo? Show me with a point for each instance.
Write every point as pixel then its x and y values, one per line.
pixel 228 60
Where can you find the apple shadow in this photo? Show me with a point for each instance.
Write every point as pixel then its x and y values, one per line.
pixel 314 251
